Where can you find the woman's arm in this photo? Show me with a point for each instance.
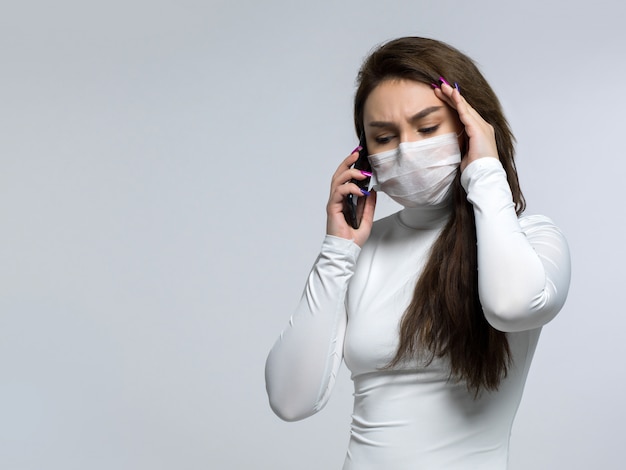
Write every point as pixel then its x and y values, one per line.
pixel 523 265
pixel 301 368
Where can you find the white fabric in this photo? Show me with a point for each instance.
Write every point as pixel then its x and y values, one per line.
pixel 417 173
pixel 413 417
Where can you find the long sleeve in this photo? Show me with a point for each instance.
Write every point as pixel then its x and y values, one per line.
pixel 523 264
pixel 301 367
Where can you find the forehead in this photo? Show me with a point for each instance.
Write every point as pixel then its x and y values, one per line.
pixel 395 98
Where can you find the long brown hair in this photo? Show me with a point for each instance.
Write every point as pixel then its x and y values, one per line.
pixel 445 317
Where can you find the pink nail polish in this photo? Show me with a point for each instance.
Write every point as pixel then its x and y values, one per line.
pixel 443 80
pixel 366 173
pixel 434 85
pixel 358 149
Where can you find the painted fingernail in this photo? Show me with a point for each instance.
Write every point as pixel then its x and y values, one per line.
pixel 366 173
pixel 458 88
pixel 443 80
pixel 434 85
pixel 358 149
pixel 365 192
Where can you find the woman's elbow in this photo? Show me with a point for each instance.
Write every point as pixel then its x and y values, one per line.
pixel 285 400
pixel 510 317
pixel 286 408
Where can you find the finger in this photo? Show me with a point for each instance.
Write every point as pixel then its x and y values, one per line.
pixel 368 210
pixel 347 163
pixel 339 193
pixel 353 174
pixel 345 179
pixel 452 96
pixel 440 93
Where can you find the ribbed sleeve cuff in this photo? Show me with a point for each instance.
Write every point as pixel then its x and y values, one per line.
pixel 341 246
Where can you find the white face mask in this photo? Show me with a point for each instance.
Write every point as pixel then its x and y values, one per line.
pixel 417 173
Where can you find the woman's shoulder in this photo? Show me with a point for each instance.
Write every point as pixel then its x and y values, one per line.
pixel 537 223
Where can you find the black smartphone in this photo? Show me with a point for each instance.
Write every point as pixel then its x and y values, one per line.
pixel 352 204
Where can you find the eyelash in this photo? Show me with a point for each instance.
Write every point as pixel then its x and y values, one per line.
pixel 385 139
pixel 428 130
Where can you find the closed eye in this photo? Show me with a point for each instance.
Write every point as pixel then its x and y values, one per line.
pixel 428 130
pixel 383 139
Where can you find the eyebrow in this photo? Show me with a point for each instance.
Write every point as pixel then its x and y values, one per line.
pixel 422 114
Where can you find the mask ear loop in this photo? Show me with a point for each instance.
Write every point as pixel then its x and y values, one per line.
pixel 465 147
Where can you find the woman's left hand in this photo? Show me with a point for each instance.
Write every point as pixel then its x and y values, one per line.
pixel 481 135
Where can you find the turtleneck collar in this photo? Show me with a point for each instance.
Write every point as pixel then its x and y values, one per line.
pixel 425 217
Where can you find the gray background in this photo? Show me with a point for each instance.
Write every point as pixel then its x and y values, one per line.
pixel 164 171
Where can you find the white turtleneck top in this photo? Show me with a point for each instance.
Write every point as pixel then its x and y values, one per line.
pixel 414 417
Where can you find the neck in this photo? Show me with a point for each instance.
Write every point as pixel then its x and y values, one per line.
pixel 426 217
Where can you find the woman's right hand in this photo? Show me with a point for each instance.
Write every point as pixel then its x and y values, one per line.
pixel 340 187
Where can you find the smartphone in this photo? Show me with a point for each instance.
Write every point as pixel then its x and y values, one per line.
pixel 352 204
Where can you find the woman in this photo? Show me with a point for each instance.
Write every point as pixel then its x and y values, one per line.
pixel 436 309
